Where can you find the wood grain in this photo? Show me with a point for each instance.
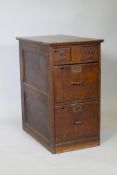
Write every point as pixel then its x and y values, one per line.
pixel 60 90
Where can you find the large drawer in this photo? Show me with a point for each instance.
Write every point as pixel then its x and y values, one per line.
pixel 76 121
pixel 76 82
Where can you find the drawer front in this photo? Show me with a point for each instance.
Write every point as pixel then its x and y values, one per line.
pixel 61 55
pixel 76 54
pixel 76 121
pixel 76 82
pixel 85 53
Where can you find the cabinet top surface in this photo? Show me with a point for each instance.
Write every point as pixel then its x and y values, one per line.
pixel 59 39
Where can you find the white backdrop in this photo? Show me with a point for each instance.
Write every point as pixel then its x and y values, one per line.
pixel 87 18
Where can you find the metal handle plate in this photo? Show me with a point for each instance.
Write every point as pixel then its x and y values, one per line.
pixel 77 107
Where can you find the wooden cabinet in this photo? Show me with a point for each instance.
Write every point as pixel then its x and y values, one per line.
pixel 60 90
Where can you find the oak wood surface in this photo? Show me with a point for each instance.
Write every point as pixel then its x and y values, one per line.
pixel 59 39
pixel 60 90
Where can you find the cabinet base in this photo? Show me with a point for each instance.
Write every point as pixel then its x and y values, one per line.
pixel 87 144
pixel 62 148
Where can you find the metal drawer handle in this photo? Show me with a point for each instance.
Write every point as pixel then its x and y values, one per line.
pixel 76 83
pixel 76 122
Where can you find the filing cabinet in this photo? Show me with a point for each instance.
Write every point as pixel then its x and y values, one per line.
pixel 60 90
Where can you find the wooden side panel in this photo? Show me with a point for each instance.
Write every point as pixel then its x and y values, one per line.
pixel 36 113
pixel 35 77
pixel 36 70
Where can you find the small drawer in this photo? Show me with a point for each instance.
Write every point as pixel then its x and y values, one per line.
pixel 85 53
pixel 76 82
pixel 61 55
pixel 76 121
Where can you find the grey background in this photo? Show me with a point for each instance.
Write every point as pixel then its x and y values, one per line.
pixel 19 153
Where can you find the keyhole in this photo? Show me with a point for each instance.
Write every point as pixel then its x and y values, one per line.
pixel 55 51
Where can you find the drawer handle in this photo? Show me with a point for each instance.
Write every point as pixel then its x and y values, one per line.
pixel 76 122
pixel 76 83
pixel 91 52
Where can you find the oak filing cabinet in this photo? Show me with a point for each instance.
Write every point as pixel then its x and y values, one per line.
pixel 60 89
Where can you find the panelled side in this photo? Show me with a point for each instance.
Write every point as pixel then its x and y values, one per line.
pixel 35 89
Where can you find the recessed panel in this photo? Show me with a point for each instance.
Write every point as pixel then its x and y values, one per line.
pixel 36 113
pixel 35 70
